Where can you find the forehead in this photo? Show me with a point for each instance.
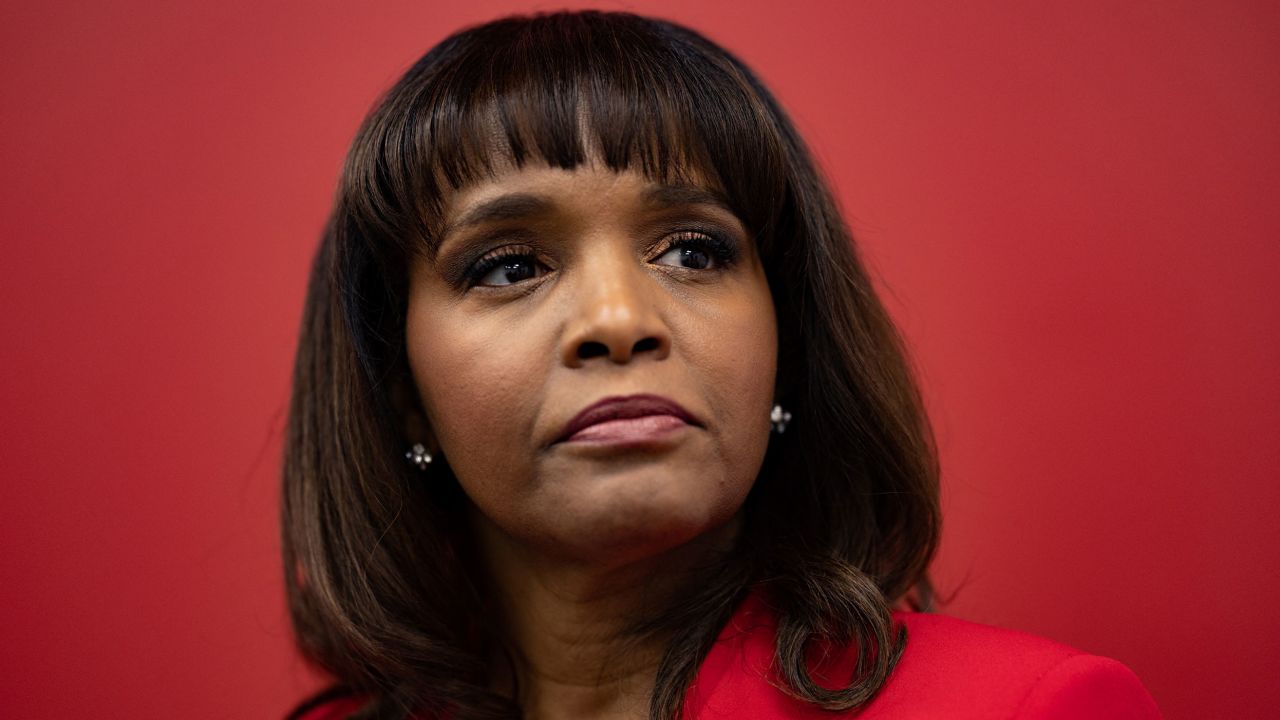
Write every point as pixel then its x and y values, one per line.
pixel 486 169
pixel 586 184
pixel 507 192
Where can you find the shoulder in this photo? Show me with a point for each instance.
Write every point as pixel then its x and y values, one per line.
pixel 956 668
pixel 950 668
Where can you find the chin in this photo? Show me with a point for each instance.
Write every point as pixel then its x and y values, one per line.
pixel 636 525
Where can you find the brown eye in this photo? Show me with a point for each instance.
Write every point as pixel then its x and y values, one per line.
pixel 694 258
pixel 505 267
pixel 510 272
pixel 699 251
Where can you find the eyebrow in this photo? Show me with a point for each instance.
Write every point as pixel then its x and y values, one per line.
pixel 517 206
pixel 666 196
pixel 512 206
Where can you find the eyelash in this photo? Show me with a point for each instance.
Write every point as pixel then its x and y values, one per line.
pixel 722 250
pixel 486 264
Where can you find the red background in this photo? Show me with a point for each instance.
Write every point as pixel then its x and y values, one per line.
pixel 1072 207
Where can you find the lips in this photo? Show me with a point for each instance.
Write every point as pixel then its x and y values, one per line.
pixel 624 408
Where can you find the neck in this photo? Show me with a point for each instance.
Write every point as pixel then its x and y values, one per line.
pixel 568 624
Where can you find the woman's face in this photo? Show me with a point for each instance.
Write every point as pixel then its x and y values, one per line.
pixel 555 289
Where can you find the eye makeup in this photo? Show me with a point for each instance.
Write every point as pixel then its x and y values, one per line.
pixel 458 265
pixel 511 256
pixel 466 267
pixel 716 244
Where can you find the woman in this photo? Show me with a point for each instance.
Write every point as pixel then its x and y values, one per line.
pixel 596 414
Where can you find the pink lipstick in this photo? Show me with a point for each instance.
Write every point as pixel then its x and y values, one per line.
pixel 630 419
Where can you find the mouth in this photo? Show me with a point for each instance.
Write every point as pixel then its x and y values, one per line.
pixel 629 419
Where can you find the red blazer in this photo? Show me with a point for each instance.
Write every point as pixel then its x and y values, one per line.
pixel 951 669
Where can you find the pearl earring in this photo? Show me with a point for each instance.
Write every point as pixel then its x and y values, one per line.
pixel 779 418
pixel 419 456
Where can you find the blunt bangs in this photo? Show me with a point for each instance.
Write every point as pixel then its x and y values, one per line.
pixel 564 89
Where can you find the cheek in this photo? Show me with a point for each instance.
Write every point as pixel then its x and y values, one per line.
pixel 479 388
pixel 746 350
pixel 736 357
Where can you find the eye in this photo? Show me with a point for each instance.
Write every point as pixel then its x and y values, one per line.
pixel 699 251
pixel 506 266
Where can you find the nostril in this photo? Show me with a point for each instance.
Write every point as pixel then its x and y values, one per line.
pixel 649 343
pixel 588 350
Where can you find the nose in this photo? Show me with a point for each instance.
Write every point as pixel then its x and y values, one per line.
pixel 615 315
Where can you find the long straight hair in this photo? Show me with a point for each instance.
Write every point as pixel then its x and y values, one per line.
pixel 843 519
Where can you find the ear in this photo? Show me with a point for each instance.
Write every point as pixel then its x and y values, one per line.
pixel 406 403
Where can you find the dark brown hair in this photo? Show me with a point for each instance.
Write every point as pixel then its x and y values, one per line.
pixel 843 518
